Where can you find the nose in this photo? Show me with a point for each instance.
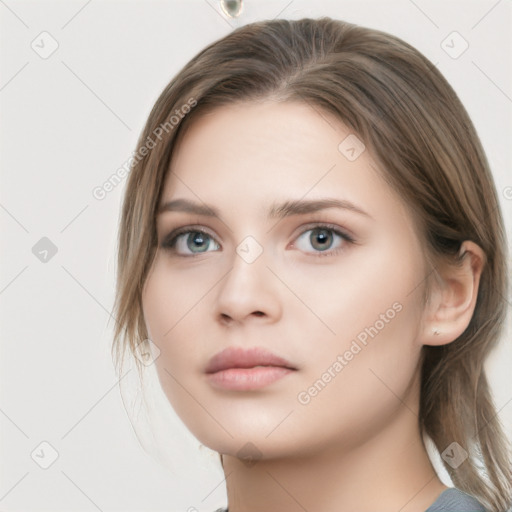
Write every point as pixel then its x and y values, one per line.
pixel 249 291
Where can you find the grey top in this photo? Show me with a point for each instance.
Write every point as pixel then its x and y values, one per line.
pixel 455 500
pixel 450 500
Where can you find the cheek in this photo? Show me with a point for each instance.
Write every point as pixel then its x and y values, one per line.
pixel 169 302
pixel 170 295
pixel 369 306
pixel 175 304
pixel 165 312
pixel 355 383
pixel 351 293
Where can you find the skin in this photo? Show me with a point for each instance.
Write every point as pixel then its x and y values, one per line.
pixel 360 432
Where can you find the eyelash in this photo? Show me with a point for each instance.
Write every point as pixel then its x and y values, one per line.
pixel 170 241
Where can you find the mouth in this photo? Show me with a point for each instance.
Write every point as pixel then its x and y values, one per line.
pixel 242 369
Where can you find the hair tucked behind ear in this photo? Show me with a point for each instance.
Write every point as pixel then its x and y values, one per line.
pixel 425 143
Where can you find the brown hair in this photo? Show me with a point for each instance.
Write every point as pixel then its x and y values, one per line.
pixel 412 121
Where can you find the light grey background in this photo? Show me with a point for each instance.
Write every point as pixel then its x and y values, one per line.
pixel 68 122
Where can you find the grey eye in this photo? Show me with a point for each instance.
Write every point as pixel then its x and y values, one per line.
pixel 320 238
pixel 194 242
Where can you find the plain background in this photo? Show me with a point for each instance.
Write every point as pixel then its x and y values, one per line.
pixel 68 122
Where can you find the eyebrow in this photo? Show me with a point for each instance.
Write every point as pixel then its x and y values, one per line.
pixel 277 211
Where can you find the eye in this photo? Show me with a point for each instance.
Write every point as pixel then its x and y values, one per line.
pixel 326 240
pixel 189 242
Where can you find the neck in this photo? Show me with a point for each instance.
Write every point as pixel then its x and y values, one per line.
pixel 389 472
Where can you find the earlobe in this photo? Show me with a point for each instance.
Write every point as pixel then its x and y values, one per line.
pixel 453 298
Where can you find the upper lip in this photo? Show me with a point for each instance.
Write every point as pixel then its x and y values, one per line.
pixel 238 357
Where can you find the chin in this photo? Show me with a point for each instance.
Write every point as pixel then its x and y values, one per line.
pixel 249 438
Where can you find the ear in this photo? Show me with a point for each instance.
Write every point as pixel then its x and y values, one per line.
pixel 452 300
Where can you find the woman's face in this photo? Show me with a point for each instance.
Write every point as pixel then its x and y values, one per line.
pixel 334 291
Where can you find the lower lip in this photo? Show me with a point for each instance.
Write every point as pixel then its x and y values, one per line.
pixel 243 379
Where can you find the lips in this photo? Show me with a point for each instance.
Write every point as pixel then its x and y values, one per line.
pixel 238 357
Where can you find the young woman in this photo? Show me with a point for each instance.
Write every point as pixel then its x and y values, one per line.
pixel 312 240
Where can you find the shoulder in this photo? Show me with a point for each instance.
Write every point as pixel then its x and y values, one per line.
pixel 455 500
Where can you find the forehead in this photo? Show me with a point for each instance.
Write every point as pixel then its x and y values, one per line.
pixel 248 154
